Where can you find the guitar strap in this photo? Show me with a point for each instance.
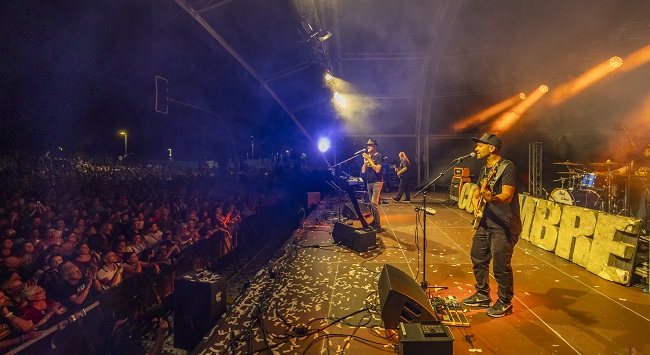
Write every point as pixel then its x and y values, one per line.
pixel 502 167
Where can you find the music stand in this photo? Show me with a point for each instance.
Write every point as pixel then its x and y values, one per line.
pixel 424 284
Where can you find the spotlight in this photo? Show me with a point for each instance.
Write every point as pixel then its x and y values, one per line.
pixel 328 77
pixel 522 96
pixel 543 88
pixel 321 35
pixel 339 100
pixel 324 144
pixel 615 61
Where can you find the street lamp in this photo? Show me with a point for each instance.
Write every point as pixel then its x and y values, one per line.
pixel 126 152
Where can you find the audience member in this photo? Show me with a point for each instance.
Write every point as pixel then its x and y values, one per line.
pixel 39 308
pixel 110 274
pixel 86 259
pixel 75 288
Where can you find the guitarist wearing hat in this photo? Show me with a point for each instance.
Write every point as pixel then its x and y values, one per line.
pixel 372 169
pixel 498 225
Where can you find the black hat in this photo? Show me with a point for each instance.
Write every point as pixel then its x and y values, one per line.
pixel 490 139
pixel 372 142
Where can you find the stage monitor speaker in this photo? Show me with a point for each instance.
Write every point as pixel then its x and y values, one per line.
pixel 199 301
pixel 354 238
pixel 349 213
pixel 402 299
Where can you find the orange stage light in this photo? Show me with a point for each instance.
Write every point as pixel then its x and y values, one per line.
pixel 480 117
pixel 507 119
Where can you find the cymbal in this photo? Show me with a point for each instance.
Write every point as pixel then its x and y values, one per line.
pixel 606 164
pixel 567 163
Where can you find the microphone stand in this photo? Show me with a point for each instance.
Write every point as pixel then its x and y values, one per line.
pixel 424 284
pixel 346 160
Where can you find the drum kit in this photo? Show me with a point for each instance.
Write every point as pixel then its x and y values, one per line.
pixel 591 189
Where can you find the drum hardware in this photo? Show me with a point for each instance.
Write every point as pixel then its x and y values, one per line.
pixel 607 164
pixel 567 163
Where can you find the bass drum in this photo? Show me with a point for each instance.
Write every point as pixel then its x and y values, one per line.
pixel 562 196
pixel 588 199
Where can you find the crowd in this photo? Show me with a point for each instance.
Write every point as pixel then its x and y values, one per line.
pixel 72 231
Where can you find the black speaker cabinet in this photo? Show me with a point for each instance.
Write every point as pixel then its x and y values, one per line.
pixel 349 213
pixel 456 186
pixel 199 301
pixel 354 238
pixel 402 299
pixel 425 338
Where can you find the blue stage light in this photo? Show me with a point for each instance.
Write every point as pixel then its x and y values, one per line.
pixel 324 144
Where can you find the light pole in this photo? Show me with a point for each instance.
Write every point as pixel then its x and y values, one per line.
pixel 126 152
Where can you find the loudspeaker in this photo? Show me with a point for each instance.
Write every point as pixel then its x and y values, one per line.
pixel 402 299
pixel 456 186
pixel 199 301
pixel 349 213
pixel 354 238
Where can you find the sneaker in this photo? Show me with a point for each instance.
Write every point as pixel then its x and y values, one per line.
pixel 395 199
pixel 478 300
pixel 499 309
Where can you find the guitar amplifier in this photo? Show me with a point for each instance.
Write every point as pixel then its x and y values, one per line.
pixel 456 186
pixel 464 172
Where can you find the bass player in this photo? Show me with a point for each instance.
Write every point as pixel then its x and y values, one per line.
pixel 498 227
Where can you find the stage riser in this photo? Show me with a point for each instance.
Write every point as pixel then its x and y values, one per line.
pixel 603 243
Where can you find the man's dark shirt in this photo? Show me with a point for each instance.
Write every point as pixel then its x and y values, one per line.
pixel 405 164
pixel 506 215
pixel 371 175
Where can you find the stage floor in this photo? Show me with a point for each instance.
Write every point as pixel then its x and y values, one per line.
pixel 320 298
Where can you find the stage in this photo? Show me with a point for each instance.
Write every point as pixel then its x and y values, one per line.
pixel 315 297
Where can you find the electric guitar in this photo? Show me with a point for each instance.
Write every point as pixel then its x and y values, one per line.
pixel 480 206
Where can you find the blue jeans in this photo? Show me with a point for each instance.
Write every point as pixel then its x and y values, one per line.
pixel 492 243
pixel 374 189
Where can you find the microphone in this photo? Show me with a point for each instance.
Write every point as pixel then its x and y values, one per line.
pixel 361 151
pixel 470 155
